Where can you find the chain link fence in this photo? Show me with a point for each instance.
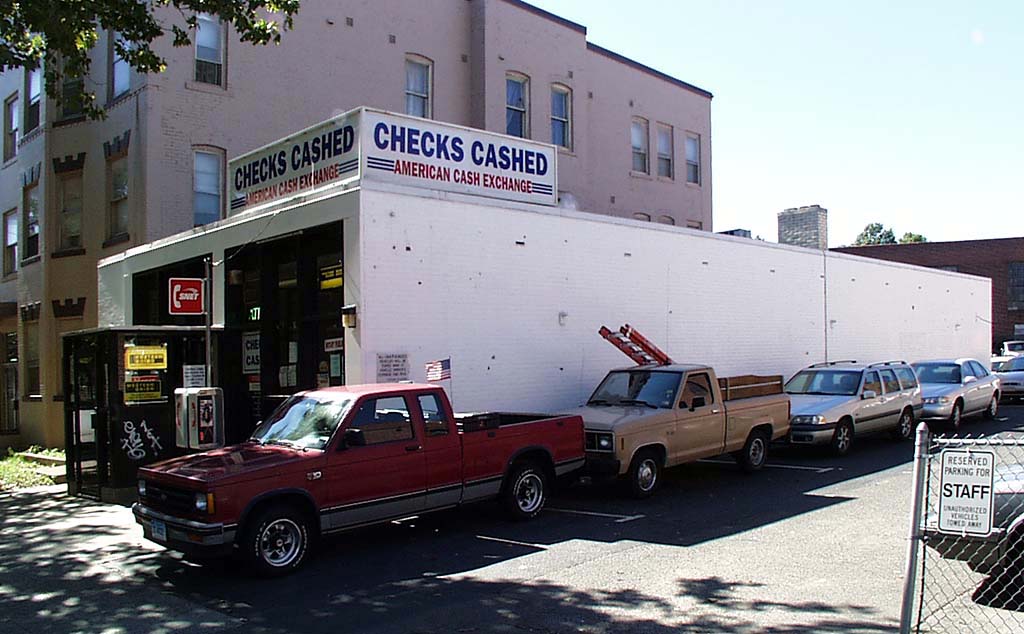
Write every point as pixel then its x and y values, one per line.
pixel 965 570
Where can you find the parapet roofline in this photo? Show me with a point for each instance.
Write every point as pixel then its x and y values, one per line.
pixel 600 50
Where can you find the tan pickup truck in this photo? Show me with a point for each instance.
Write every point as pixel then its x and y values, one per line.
pixel 643 419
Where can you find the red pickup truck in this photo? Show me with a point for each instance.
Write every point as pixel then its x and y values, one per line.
pixel 338 458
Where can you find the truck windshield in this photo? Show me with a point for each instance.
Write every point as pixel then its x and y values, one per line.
pixel 937 372
pixel 826 382
pixel 637 387
pixel 302 422
pixel 1015 346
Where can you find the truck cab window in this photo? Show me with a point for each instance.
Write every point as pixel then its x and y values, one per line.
pixel 383 420
pixel 434 419
pixel 697 385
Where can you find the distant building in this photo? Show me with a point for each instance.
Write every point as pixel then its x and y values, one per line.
pixel 1001 260
pixel 743 233
pixel 804 227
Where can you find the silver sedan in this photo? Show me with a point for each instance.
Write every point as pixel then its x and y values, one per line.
pixel 1011 377
pixel 954 388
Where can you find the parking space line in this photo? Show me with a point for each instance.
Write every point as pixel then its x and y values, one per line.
pixel 619 519
pixel 512 542
pixel 770 465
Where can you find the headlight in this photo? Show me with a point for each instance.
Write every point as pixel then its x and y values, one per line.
pixel 935 400
pixel 142 488
pixel 204 502
pixel 604 441
pixel 600 441
pixel 816 419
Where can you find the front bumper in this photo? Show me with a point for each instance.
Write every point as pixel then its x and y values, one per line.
pixel 938 411
pixel 982 554
pixel 198 539
pixel 804 434
pixel 602 464
pixel 1012 389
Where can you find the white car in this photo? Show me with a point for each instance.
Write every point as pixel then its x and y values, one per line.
pixel 1013 348
pixel 1011 376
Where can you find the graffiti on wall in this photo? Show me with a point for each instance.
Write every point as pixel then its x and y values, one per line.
pixel 134 441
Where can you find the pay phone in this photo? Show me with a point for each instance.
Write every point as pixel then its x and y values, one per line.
pixel 199 417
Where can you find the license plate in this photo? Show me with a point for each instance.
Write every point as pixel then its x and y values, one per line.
pixel 159 530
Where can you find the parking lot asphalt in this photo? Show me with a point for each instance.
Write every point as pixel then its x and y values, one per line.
pixel 810 544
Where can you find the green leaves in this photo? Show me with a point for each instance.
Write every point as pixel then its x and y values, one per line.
pixel 875 233
pixel 60 34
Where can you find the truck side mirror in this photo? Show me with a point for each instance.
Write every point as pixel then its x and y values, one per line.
pixel 698 401
pixel 352 437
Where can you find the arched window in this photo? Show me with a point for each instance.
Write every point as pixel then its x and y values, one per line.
pixel 642 216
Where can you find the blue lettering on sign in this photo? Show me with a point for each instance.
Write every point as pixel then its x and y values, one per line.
pixel 413 141
pixel 327 145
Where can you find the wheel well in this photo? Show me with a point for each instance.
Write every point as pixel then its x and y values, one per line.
pixel 293 499
pixel 660 450
pixel 538 456
pixel 959 401
pixel 763 427
pixel 846 419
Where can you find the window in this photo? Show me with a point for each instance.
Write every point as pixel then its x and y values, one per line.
pixel 907 378
pixel 119 69
pixel 32 386
pixel 1015 292
pixel 889 379
pixel 694 224
pixel 692 159
pixel 383 420
pixel 209 50
pixel 72 104
pixel 206 188
pixel 665 169
pixel 10 242
pixel 979 370
pixel 34 91
pixel 871 383
pixel 71 211
pixel 117 213
pixel 30 212
pixel 434 419
pixel 642 216
pixel 561 116
pixel 418 78
pixel 11 127
pixel 638 137
pixel 517 103
pixel 667 220
pixel 697 386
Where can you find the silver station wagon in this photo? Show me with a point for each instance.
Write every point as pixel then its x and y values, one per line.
pixel 836 401
pixel 954 388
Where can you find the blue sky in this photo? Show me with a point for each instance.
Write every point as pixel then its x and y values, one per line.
pixel 909 113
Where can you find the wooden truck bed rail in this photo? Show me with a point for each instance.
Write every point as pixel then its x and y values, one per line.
pixel 749 385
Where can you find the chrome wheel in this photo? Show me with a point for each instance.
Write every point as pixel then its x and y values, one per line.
pixel 906 425
pixel 757 453
pixel 280 543
pixel 843 439
pixel 955 418
pixel 529 492
pixel 646 474
pixel 993 408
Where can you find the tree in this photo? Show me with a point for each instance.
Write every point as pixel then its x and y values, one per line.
pixel 909 237
pixel 58 34
pixel 875 233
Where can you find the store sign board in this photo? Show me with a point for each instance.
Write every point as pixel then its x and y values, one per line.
pixel 322 155
pixel 422 153
pixel 392 367
pixel 392 148
pixel 250 353
pixel 145 357
pixel 185 296
pixel 143 389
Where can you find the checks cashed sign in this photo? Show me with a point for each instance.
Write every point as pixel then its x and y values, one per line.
pixel 379 146
pixel 422 153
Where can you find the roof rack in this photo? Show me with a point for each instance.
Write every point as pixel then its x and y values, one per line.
pixel 890 362
pixel 825 364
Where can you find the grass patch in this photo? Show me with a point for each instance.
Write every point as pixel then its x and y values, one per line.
pixel 16 473
pixel 50 453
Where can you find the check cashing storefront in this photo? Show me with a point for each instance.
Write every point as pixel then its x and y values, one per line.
pixel 288 292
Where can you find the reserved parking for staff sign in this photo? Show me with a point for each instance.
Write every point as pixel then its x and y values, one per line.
pixel 965 492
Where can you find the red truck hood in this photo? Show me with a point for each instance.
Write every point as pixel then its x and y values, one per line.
pixel 229 463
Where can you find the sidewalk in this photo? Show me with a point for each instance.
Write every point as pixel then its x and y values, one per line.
pixel 66 566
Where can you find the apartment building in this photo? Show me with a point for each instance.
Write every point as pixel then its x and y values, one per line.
pixel 633 142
